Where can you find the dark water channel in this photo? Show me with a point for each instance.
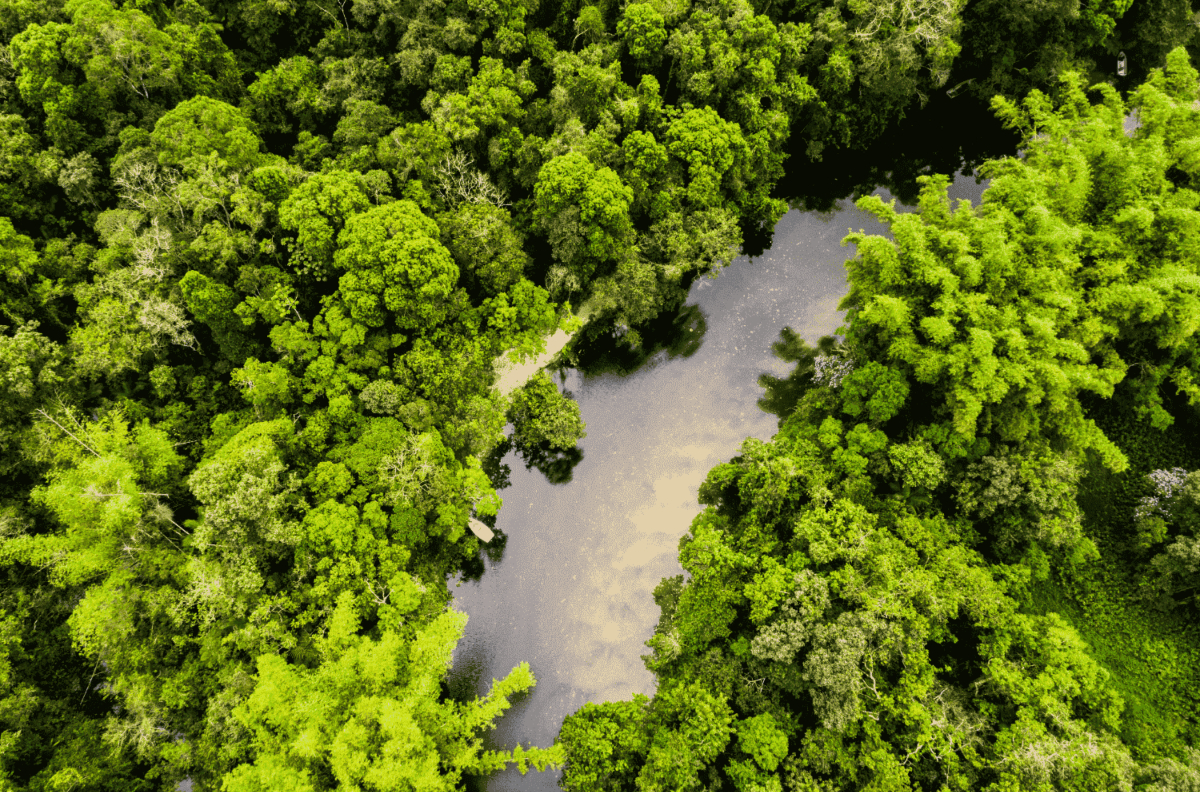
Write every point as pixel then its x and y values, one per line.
pixel 571 594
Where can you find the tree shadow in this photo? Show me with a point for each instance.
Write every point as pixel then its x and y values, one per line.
pixel 494 467
pixel 472 568
pixel 557 465
pixel 929 140
pixel 602 349
pixel 462 683
pixel 782 394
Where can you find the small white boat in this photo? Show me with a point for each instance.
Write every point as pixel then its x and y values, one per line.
pixel 479 529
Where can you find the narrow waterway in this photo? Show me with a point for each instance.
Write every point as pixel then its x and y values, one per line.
pixel 572 594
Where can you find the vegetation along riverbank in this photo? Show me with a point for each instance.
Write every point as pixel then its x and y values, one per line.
pixel 259 262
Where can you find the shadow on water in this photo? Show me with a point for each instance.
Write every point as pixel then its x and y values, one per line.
pixel 494 550
pixel 556 464
pixel 470 660
pixel 497 471
pixel 472 569
pixel 599 350
pixel 782 394
pixel 934 139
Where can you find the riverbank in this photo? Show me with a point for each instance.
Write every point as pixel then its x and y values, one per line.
pixel 512 374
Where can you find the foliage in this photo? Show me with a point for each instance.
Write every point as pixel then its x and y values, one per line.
pixel 259 262
pixel 540 414
pixel 368 715
pixel 867 592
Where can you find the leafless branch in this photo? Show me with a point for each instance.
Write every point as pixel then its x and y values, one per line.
pixel 69 433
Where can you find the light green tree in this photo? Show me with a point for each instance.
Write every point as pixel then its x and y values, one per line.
pixel 369 715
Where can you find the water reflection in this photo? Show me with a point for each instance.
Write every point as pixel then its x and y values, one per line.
pixel 556 464
pixel 782 394
pixel 948 136
pixel 674 334
pixel 572 592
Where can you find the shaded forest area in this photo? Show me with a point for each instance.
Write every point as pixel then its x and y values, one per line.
pixel 260 259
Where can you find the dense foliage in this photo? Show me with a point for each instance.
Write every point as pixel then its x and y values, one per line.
pixel 259 260
pixel 874 597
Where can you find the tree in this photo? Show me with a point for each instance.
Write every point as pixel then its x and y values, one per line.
pixel 185 136
pixel 287 96
pixel 115 541
pixel 642 28
pixel 369 714
pixel 605 745
pixel 129 53
pixel 32 367
pixel 360 129
pixel 585 212
pixel 485 245
pixel 316 211
pixel 540 414
pixel 18 261
pixel 396 269
pixel 213 304
pixel 811 365
pixel 941 305
pixel 1172 513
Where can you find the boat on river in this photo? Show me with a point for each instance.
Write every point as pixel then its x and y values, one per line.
pixel 479 529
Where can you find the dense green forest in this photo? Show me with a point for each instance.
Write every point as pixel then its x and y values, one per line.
pixel 970 557
pixel 261 258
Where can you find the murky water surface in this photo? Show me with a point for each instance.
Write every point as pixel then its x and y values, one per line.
pixel 572 594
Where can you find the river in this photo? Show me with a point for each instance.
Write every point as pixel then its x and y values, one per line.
pixel 572 593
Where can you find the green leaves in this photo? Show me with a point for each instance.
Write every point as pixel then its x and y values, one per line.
pixel 540 414
pixel 642 29
pixel 874 391
pixel 485 245
pixel 585 212
pixel 369 715
pixel 129 53
pixel 186 135
pixel 605 745
pixel 394 262
pixel 315 212
pixel 214 303
pixel 998 345
pixel 710 146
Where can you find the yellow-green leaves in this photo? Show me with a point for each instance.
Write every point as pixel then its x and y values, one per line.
pixel 186 136
pixel 874 391
pixel 642 29
pixel 108 497
pixel 984 307
pixel 268 386
pixel 369 716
